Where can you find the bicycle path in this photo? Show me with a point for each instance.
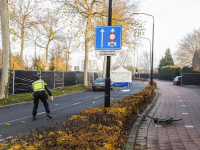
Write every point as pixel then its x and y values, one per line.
pixel 177 102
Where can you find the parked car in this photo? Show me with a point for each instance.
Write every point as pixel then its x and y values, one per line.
pixel 99 84
pixel 177 80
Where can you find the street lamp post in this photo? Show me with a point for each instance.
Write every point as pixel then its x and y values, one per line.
pixel 150 48
pixel 152 45
pixel 134 71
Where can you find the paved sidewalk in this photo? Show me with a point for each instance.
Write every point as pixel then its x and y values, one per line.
pixel 179 103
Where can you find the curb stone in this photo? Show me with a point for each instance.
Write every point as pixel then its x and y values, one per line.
pixel 134 130
pixel 29 102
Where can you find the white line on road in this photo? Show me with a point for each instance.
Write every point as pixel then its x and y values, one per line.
pixel 125 90
pixel 51 110
pixel 14 120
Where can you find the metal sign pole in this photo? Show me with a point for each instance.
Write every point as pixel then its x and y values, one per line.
pixel 107 82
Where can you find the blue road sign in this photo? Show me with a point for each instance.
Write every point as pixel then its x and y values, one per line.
pixel 108 37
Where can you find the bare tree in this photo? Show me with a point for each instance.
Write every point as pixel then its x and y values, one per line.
pixel 51 31
pixel 68 48
pixel 64 46
pixel 124 58
pixel 4 85
pixel 22 17
pixel 145 61
pixel 57 62
pixel 186 48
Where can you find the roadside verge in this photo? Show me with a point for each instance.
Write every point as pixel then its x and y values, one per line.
pixel 31 102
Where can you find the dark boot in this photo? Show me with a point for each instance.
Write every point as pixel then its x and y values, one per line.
pixel 48 115
pixel 33 118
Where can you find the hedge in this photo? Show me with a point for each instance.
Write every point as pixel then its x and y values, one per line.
pixel 169 72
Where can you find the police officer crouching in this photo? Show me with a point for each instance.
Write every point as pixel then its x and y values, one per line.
pixel 39 87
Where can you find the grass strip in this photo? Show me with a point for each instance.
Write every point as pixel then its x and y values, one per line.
pixel 18 98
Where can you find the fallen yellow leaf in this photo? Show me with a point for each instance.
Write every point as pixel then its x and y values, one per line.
pixel 7 124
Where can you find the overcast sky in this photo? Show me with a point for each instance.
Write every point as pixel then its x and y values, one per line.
pixel 173 19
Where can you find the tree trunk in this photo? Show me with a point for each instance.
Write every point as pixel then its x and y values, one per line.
pixel 104 67
pixel 5 75
pixel 47 50
pixel 67 65
pixel 22 48
pixel 85 82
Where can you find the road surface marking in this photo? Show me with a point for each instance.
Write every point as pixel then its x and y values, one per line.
pixel 51 110
pixel 125 90
pixel 189 126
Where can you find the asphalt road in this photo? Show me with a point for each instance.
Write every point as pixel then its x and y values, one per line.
pixel 20 118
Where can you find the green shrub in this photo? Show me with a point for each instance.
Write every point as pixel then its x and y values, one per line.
pixel 169 72
pixel 187 69
pixel 195 71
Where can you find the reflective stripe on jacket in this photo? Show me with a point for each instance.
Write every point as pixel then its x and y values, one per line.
pixel 38 85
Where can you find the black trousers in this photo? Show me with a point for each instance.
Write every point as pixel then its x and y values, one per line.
pixel 40 95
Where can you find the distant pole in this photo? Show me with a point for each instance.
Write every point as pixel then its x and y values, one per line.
pixel 152 54
pixel 107 82
pixel 134 65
